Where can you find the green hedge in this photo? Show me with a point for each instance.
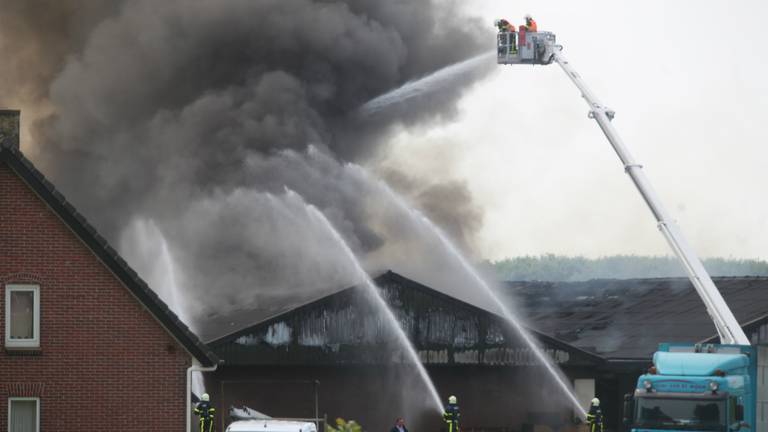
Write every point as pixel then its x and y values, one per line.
pixel 344 426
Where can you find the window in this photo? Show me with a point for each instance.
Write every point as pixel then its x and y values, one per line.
pixel 23 414
pixel 22 316
pixel 702 414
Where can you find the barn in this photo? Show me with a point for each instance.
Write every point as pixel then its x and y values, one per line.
pixel 340 347
pixel 601 333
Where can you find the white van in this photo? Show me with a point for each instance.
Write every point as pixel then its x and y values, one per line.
pixel 271 425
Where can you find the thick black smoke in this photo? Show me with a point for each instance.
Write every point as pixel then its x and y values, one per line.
pixel 197 115
pixel 36 36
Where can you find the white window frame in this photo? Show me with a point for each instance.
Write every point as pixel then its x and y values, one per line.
pixel 37 406
pixel 22 343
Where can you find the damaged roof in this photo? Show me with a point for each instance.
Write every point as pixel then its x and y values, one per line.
pixel 266 304
pixel 44 189
pixel 627 319
pixel 345 328
pixel 612 319
pixel 217 325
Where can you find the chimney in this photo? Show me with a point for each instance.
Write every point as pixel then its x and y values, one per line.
pixel 9 128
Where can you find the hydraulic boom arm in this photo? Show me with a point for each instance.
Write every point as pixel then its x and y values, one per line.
pixel 727 327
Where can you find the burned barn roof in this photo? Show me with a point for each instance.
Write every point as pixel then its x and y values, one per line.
pixel 626 319
pixel 345 328
pixel 12 156
pixel 218 325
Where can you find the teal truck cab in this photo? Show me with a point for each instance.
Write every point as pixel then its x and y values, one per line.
pixel 695 388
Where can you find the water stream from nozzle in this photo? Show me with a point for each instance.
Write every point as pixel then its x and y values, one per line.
pixel 150 247
pixel 422 220
pixel 377 298
pixel 424 85
pixel 537 351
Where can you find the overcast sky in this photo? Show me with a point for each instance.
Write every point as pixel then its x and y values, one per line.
pixel 687 80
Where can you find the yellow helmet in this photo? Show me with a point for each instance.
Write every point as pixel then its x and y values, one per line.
pixel 452 399
pixel 205 397
pixel 596 402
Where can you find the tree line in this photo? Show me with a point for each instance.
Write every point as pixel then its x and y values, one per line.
pixel 551 267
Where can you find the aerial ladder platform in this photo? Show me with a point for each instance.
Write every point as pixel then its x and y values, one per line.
pixel 540 48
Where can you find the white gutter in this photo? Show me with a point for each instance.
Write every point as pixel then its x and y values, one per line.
pixel 196 367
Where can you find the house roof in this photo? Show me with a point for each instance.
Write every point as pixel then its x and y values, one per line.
pixel 627 319
pixel 435 321
pixel 10 155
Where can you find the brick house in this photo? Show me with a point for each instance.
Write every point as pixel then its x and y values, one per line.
pixel 87 345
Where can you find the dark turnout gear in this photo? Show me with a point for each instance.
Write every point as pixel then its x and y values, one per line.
pixel 504 26
pixel 507 37
pixel 205 411
pixel 451 417
pixel 595 419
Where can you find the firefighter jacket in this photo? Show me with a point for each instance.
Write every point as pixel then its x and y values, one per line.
pixel 595 419
pixel 506 26
pixel 451 417
pixel 205 411
pixel 531 26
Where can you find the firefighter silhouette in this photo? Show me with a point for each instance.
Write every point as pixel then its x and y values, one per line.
pixel 205 411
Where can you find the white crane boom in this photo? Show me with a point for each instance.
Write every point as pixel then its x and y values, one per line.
pixel 545 51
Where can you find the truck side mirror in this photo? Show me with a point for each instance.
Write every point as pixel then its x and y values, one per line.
pixel 739 412
pixel 629 405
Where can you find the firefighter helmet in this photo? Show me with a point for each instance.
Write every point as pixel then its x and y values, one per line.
pixel 205 397
pixel 595 402
pixel 452 399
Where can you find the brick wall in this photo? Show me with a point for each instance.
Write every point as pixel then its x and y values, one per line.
pixel 104 362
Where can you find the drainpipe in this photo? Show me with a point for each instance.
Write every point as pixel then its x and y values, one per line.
pixel 196 367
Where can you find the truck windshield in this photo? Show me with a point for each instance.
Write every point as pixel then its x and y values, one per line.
pixel 679 413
